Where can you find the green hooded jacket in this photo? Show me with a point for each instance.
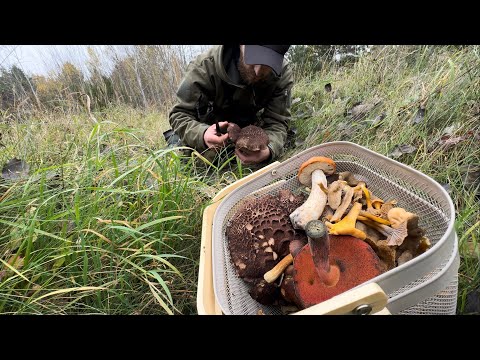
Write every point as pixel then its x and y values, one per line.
pixel 212 89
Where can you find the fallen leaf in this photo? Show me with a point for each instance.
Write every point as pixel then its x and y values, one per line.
pixel 359 111
pixel 402 149
pixel 471 175
pixel 296 100
pixel 15 169
pixel 377 119
pixel 299 142
pixel 16 261
pixel 420 115
pixel 448 141
pixel 448 130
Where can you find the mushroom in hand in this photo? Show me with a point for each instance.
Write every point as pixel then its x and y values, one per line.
pixel 249 139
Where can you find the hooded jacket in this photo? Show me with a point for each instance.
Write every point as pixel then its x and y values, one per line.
pixel 213 89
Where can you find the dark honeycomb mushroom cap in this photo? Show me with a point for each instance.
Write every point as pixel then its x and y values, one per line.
pixel 259 233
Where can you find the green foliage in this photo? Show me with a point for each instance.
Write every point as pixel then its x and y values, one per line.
pixel 309 59
pixel 15 87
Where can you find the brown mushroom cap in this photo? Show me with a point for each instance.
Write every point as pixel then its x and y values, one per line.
pixel 357 263
pixel 251 138
pixel 264 292
pixel 233 131
pixel 349 178
pixel 325 164
pixel 385 252
pixel 259 233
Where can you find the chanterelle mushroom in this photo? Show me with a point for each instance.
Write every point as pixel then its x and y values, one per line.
pixel 312 173
pixel 347 225
pixel 251 138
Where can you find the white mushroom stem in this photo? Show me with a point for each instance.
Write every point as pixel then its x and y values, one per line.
pixel 313 208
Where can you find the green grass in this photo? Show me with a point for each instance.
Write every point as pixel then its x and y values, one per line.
pixel 109 220
pixel 113 229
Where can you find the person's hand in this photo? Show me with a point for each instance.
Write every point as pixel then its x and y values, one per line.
pixel 252 157
pixel 212 140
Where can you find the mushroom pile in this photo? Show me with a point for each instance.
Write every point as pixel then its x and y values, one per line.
pixel 339 237
pixel 259 236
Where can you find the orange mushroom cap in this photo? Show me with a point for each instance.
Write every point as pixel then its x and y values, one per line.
pixel 357 263
pixel 325 164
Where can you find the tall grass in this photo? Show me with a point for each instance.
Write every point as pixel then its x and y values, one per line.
pixel 106 223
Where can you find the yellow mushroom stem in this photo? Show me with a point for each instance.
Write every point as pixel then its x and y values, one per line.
pixel 367 196
pixel 374 218
pixel 347 225
pixel 323 188
pixel 377 204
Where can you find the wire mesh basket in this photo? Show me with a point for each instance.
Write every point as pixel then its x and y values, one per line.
pixel 426 284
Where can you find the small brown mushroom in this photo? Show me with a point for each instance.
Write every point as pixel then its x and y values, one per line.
pixel 394 236
pixel 348 177
pixel 335 194
pixel 327 214
pixel 385 252
pixel 404 257
pixel 312 173
pixel 423 245
pixel 399 217
pixel 346 201
pixel 377 202
pixel 295 246
pixel 372 217
pixel 264 292
pixel 358 192
pixel 287 287
pixel 385 208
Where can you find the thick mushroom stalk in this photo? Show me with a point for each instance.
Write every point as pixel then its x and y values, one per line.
pixel 313 173
pixel 315 204
pixel 319 242
pixel 347 225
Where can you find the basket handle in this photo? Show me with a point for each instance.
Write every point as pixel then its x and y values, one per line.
pixel 364 300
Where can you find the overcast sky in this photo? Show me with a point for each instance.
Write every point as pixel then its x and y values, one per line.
pixel 41 59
